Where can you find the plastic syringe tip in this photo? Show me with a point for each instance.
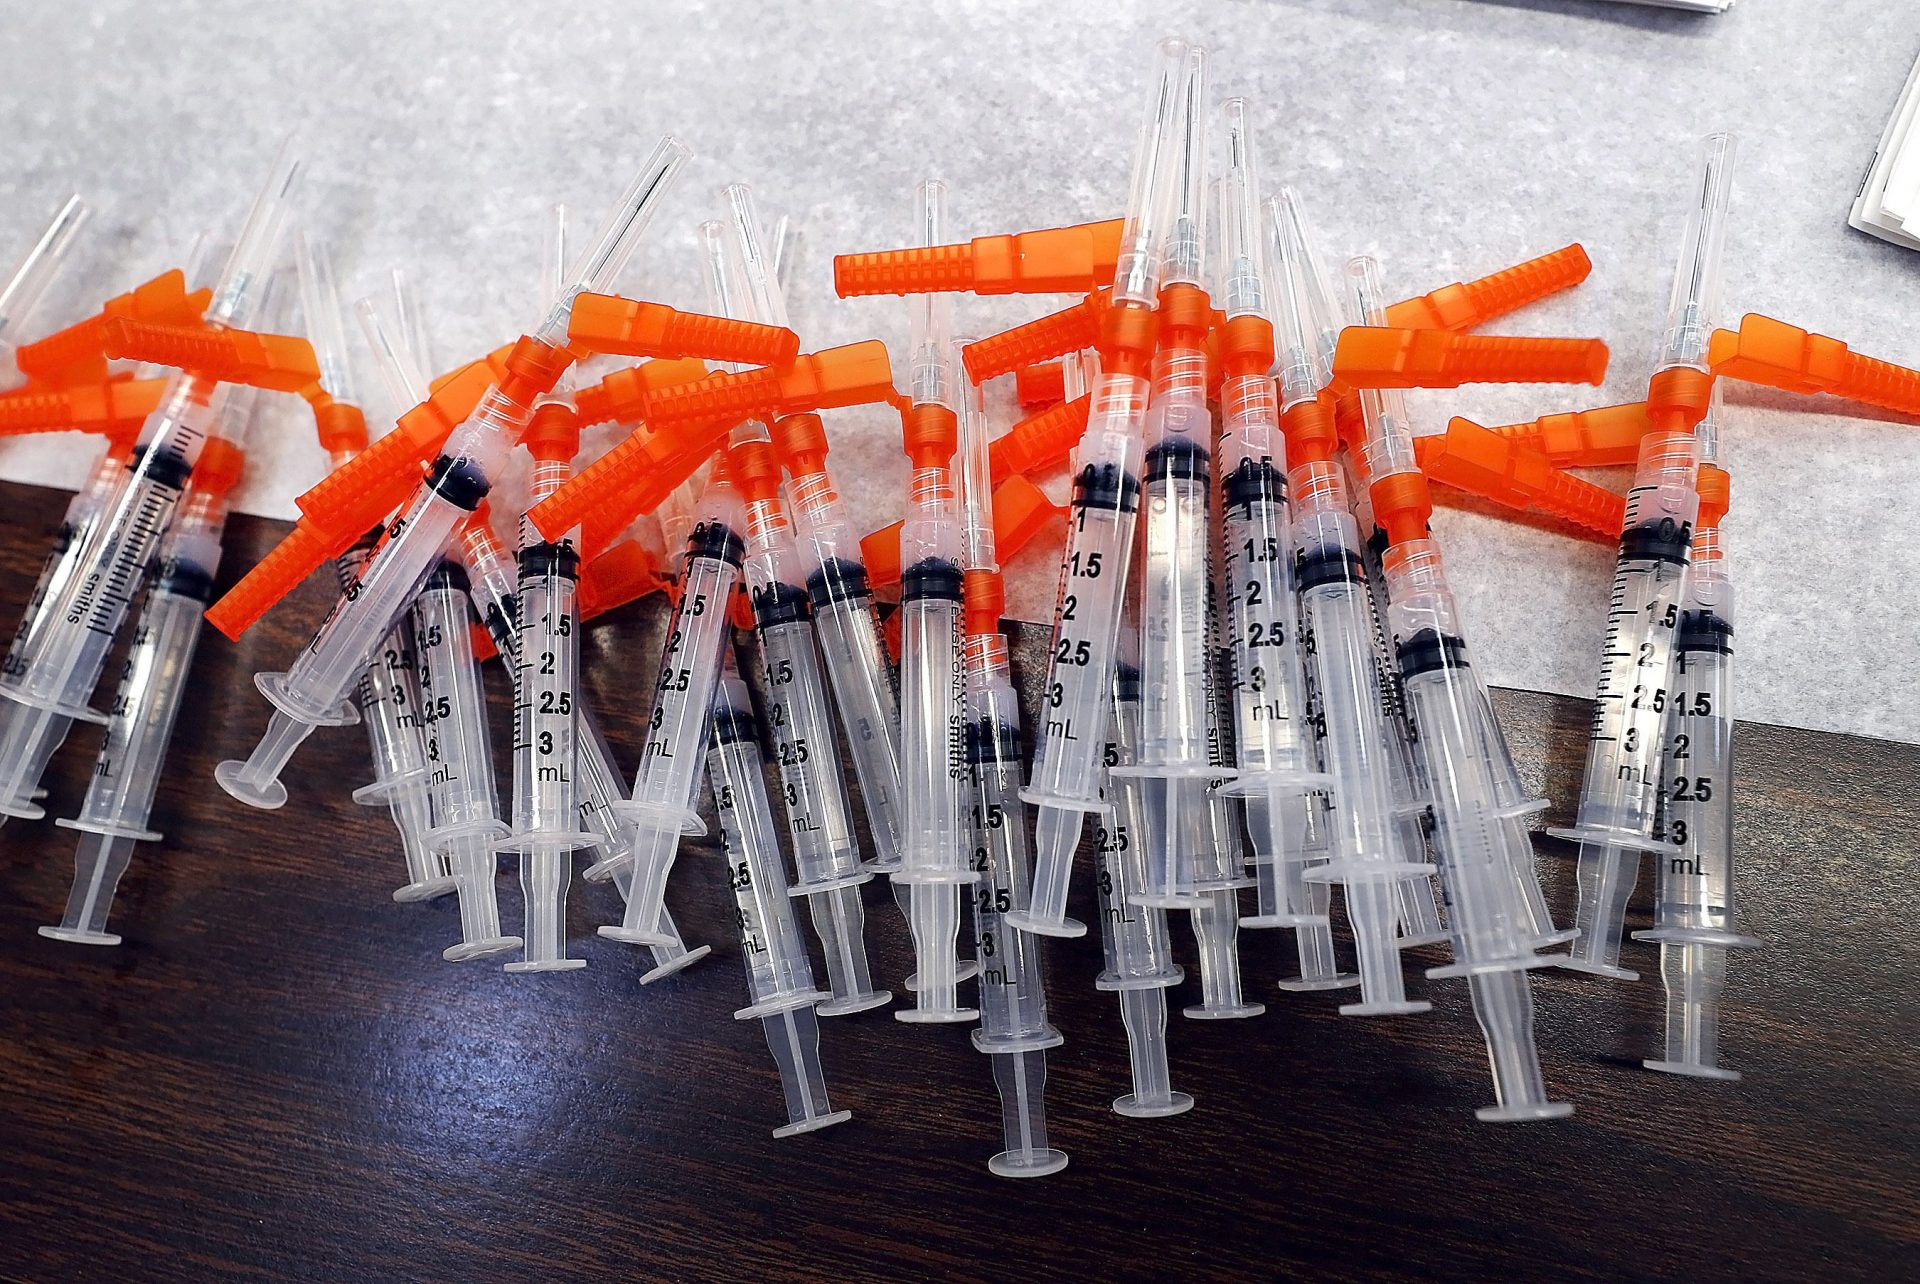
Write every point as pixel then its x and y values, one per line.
pixel 98 863
pixel 933 911
pixel 1021 1078
pixel 1694 976
pixel 1503 1005
pixel 256 782
pixel 474 867
pixel 1144 1013
pixel 544 874
pixel 793 1036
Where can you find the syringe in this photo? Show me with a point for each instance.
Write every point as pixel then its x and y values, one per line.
pixel 779 977
pixel 828 869
pixel 494 582
pixel 388 694
pixel 1014 1029
pixel 460 782
pixel 933 864
pixel 28 285
pixel 1694 919
pixel 1176 652
pixel 1274 742
pixel 1063 783
pixel 60 671
pixel 545 666
pixel 1338 631
pixel 309 692
pixel 661 801
pixel 155 681
pixel 1620 797
pixel 1490 929
pixel 1134 938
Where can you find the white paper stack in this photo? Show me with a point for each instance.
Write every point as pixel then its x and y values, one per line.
pixel 1888 204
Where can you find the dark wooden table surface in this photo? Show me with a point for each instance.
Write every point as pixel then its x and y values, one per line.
pixel 277 1076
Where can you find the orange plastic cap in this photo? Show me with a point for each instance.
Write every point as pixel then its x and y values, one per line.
pixel 881 553
pixel 851 375
pixel 340 426
pixel 632 328
pixel 625 573
pixel 1471 458
pixel 109 407
pixel 1040 441
pixel 622 395
pixel 1466 304
pixel 1021 511
pixel 218 469
pixel 553 434
pixel 74 353
pixel 1605 437
pixel 1056 334
pixel 1053 261
pixel 1779 355
pixel 802 443
pixel 985 597
pixel 281 362
pixel 1390 357
pixel 1039 385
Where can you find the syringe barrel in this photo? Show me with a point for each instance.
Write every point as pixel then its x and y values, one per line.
pixel 1013 1000
pixel 388 696
pixel 546 668
pixel 1635 687
pixel 1271 735
pixel 1489 924
pixel 1093 578
pixel 82 518
pixel 87 614
pixel 1175 646
pixel 1134 938
pixel 776 958
pixel 683 694
pixel 120 795
pixel 825 851
pixel 1694 892
pixel 331 663
pixel 932 726
pixel 453 712
pixel 848 632
pixel 1336 609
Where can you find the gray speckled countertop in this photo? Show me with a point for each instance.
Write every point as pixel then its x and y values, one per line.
pixel 1450 137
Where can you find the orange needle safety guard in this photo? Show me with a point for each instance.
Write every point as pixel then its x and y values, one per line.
pixel 1466 304
pixel 625 572
pixel 1039 386
pixel 278 362
pixel 1481 462
pixel 113 408
pixel 352 499
pixel 73 354
pixel 1042 339
pixel 607 323
pixel 1059 260
pixel 1389 357
pixel 690 419
pixel 1040 441
pixel 1605 437
pixel 621 397
pixel 1778 355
